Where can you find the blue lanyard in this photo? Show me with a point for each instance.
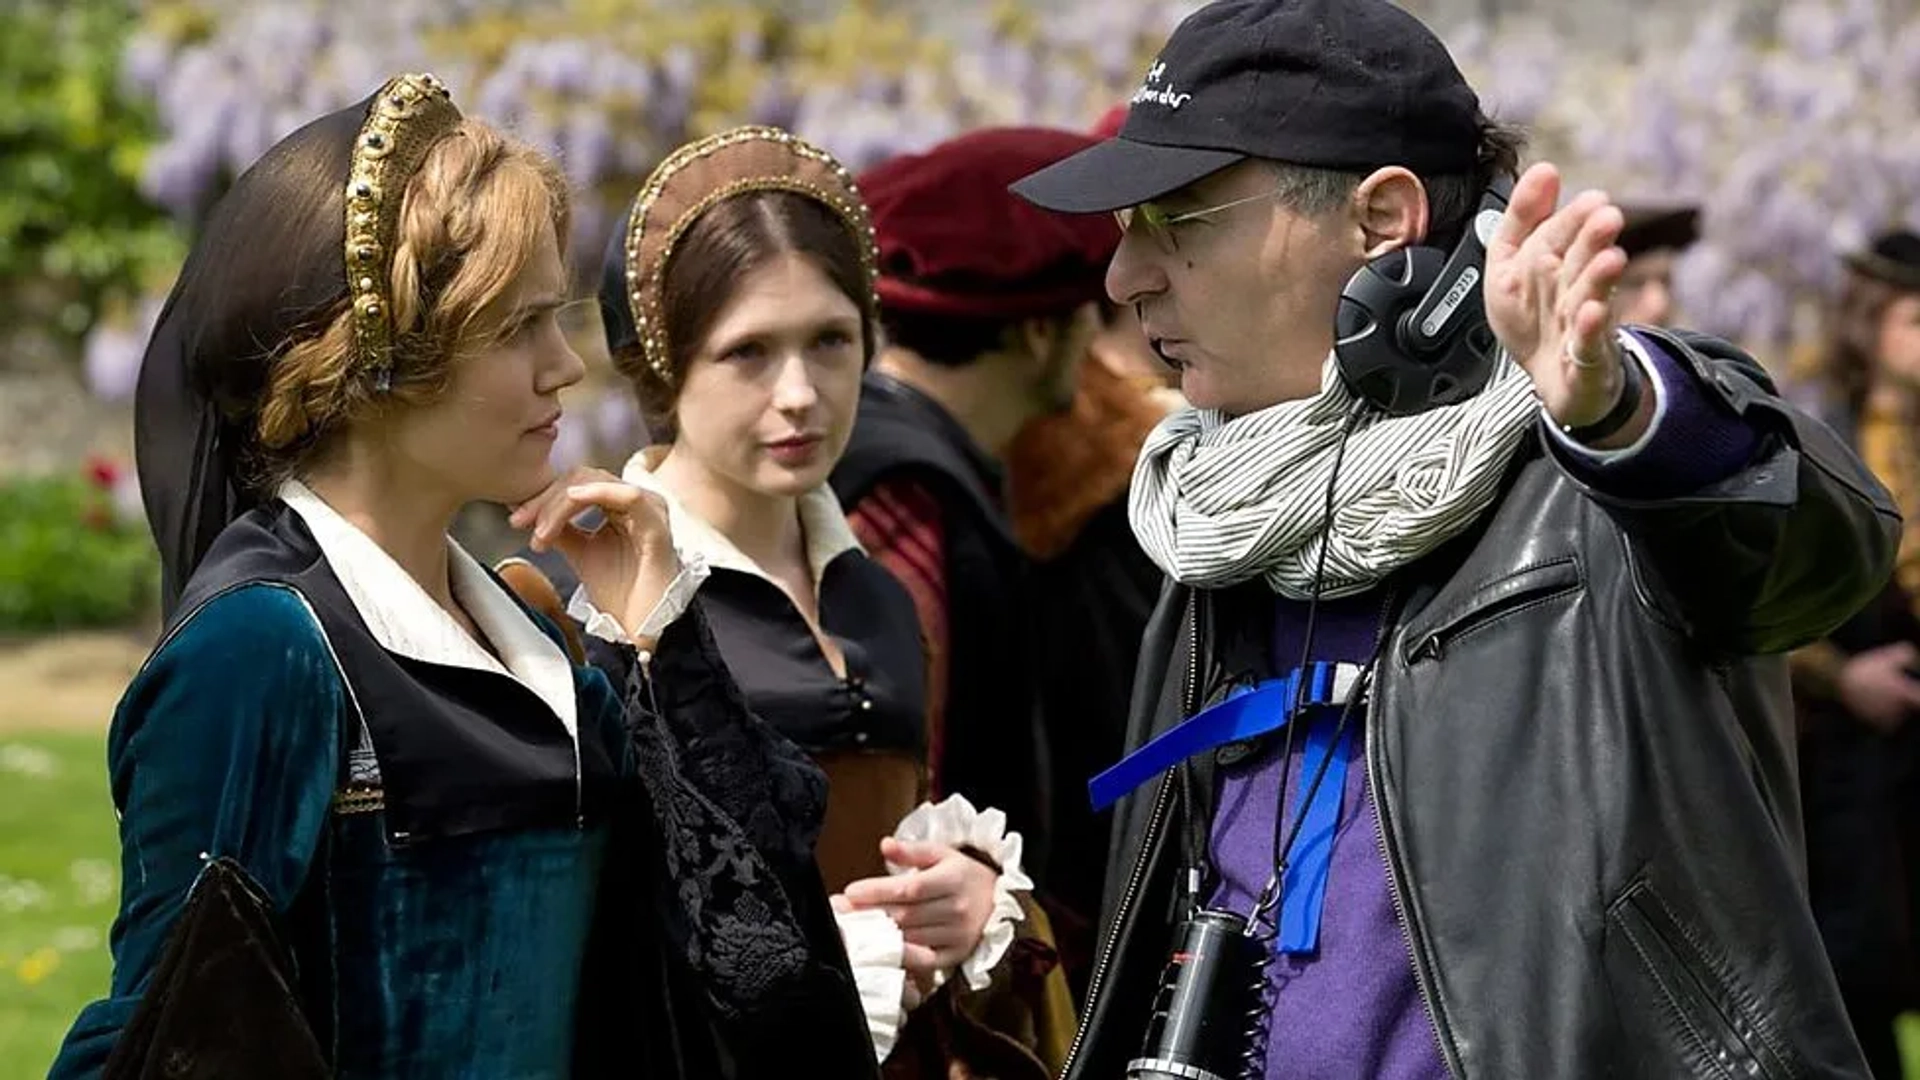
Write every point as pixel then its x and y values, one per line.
pixel 1244 715
pixel 1305 883
pixel 1247 713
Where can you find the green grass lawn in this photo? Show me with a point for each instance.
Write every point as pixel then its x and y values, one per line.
pixel 59 886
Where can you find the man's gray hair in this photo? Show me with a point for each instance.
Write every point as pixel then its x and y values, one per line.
pixel 1312 192
pixel 1451 198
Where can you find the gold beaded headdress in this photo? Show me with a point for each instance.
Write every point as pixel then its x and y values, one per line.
pixel 702 174
pixel 408 116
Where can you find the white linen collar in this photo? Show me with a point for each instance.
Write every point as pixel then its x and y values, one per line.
pixel 408 622
pixel 822 523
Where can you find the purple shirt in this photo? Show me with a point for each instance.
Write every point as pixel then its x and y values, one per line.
pixel 1352 1010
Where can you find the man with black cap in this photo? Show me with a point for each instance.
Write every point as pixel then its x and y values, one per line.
pixel 1653 237
pixel 1464 749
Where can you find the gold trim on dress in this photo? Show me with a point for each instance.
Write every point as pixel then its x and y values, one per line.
pixel 359 800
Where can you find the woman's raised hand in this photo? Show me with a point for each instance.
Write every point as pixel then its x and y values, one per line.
pixel 626 561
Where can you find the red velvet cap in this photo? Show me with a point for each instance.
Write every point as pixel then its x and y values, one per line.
pixel 954 242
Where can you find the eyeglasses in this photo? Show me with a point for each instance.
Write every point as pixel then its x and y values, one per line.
pixel 1158 224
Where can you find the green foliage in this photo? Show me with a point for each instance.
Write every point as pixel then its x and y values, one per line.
pixel 71 149
pixel 67 560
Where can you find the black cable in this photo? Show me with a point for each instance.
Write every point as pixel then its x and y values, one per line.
pixel 1282 849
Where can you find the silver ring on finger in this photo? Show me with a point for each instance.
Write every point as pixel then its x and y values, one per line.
pixel 1573 355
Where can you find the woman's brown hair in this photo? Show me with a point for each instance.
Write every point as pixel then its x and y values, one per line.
pixel 728 241
pixel 1846 365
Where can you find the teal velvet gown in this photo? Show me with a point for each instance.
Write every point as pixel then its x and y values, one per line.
pixel 485 867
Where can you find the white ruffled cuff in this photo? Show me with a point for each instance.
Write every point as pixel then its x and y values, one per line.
pixel 876 950
pixel 955 822
pixel 672 604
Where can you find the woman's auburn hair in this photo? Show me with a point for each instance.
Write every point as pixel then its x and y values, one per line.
pixel 473 217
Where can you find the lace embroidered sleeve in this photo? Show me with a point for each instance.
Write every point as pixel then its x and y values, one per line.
pixel 736 807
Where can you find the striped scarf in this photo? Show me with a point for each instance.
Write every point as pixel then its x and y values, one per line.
pixel 1218 501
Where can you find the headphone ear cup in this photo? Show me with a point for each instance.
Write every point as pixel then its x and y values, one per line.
pixel 1370 348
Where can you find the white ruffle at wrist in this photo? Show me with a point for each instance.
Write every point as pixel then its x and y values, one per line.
pixel 672 604
pixel 876 951
pixel 954 822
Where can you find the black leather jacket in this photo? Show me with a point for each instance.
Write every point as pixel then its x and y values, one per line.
pixel 1581 748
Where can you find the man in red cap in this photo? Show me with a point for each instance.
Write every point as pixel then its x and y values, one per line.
pixel 989 305
pixel 1090 591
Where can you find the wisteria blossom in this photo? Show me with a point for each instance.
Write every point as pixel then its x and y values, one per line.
pixel 1793 128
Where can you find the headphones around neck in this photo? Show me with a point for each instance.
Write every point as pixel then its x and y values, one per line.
pixel 1411 333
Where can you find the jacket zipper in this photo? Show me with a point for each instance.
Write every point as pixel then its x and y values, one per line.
pixel 1402 904
pixel 1162 800
pixel 1434 645
pixel 1690 987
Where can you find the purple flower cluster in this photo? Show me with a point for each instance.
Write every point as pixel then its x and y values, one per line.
pixel 608 96
pixel 1793 130
pixel 264 70
pixel 111 358
pixel 611 92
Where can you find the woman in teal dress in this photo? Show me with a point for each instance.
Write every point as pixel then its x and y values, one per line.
pixel 483 861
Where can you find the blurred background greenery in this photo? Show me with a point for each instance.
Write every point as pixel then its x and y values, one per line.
pixel 76 234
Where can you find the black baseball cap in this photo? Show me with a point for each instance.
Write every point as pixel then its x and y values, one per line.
pixel 1335 84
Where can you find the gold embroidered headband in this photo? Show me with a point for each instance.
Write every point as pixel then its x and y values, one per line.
pixel 408 116
pixel 702 174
